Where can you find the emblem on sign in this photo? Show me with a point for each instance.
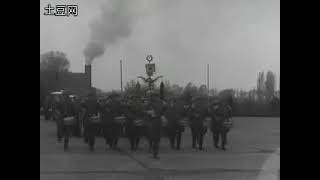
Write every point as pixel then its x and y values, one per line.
pixel 149 58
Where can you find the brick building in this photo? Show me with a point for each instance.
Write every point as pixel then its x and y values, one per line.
pixel 78 83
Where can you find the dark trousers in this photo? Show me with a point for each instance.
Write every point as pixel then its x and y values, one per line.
pixel 198 133
pixel 77 128
pixel 59 124
pixel 114 132
pixel 85 132
pixel 134 133
pixel 224 133
pixel 175 134
pixel 193 135
pixel 217 133
pixel 154 140
pixel 46 115
pixel 107 133
pixel 67 132
pixel 91 133
pixel 154 145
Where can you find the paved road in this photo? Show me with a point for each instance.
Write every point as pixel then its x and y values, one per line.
pixel 254 154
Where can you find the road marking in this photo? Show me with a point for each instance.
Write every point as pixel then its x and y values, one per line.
pixel 271 167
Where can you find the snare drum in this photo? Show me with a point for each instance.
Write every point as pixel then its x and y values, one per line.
pixel 228 124
pixel 69 120
pixel 184 123
pixel 95 119
pixel 119 119
pixel 138 122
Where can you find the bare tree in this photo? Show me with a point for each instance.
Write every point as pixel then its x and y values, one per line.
pixel 54 61
pixel 190 90
pixel 203 90
pixel 261 86
pixel 270 85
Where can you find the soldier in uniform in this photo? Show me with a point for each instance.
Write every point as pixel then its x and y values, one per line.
pixel 193 126
pixel 106 119
pixel 215 126
pixel 69 111
pixel 47 106
pixel 58 110
pixel 227 124
pixel 92 109
pixel 134 123
pixel 198 129
pixel 221 113
pixel 117 110
pixel 173 114
pixel 154 111
pixel 77 127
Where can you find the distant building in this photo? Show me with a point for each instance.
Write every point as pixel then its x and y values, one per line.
pixel 78 83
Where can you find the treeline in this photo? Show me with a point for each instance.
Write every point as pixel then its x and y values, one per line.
pixel 263 100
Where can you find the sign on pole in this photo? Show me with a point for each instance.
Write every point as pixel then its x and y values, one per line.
pixel 149 58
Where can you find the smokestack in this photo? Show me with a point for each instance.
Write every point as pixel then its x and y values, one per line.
pixel 87 70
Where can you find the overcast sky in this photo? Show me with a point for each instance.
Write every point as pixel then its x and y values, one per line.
pixel 238 38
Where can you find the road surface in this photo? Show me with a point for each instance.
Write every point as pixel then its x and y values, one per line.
pixel 254 153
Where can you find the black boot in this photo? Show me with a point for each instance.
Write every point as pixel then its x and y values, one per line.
pixel 66 145
pixel 91 148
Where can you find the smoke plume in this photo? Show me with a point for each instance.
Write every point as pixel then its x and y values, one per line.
pixel 115 23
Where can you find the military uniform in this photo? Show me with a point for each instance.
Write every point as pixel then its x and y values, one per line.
pixel 57 111
pixel 219 115
pixel 134 131
pixel 116 128
pixel 68 111
pixel 106 119
pixel 47 106
pixel 155 125
pixel 92 108
pixel 198 129
pixel 77 127
pixel 174 113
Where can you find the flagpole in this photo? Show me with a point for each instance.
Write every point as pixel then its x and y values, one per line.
pixel 208 85
pixel 121 77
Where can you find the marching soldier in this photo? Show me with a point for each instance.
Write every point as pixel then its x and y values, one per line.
pixel 92 119
pixel 185 112
pixel 173 114
pixel 135 123
pixel 215 126
pixel 116 115
pixel 58 110
pixel 227 124
pixel 69 118
pixel 77 127
pixel 197 124
pixel 47 107
pixel 221 124
pixel 129 124
pixel 154 111
pixel 106 119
